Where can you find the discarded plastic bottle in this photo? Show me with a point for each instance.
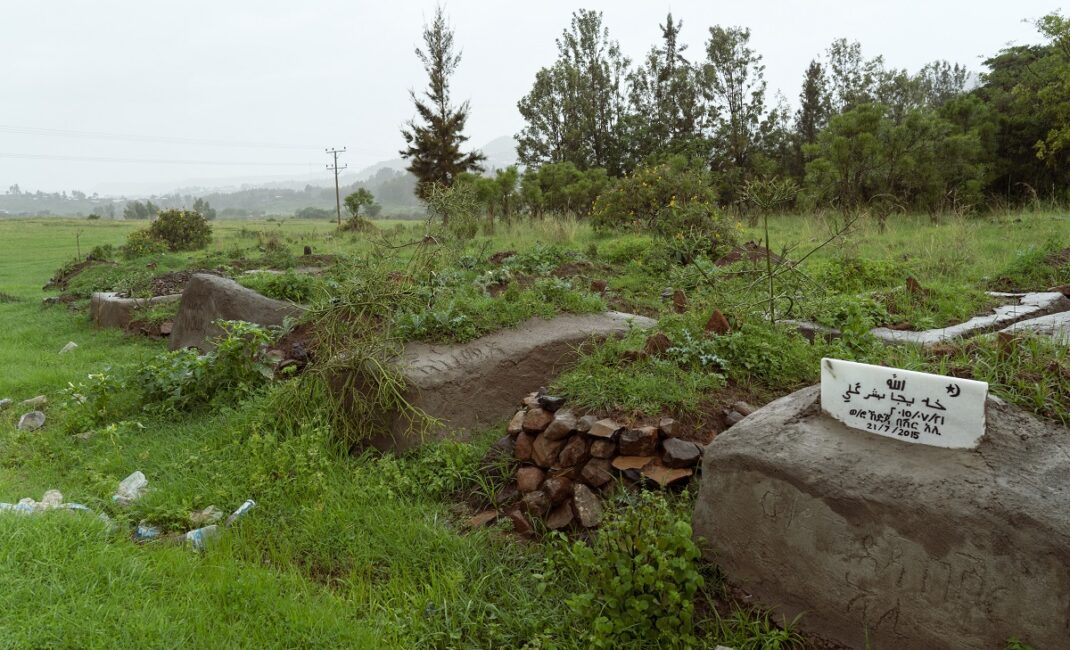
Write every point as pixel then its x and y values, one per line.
pixel 145 532
pixel 130 489
pixel 199 537
pixel 242 509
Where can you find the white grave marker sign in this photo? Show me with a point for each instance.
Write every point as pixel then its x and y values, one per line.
pixel 904 404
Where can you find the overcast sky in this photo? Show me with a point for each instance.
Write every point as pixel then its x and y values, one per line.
pixel 198 82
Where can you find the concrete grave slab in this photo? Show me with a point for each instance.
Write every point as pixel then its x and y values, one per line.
pixel 899 546
pixel 474 385
pixel 1056 326
pixel 1029 305
pixel 108 309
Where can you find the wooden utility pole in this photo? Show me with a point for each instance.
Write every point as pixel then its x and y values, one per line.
pixel 335 168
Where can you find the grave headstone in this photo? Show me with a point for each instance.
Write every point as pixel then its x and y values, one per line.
pixel 911 406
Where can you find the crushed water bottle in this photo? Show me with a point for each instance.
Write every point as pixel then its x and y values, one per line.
pixel 130 489
pixel 146 532
pixel 199 538
pixel 242 509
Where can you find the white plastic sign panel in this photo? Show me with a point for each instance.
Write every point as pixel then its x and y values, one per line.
pixel 904 404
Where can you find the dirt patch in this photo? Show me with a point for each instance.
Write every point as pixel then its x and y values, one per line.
pixel 317 260
pixel 499 257
pixel 571 269
pixel 175 281
pixel 63 276
pixel 297 347
pixel 751 252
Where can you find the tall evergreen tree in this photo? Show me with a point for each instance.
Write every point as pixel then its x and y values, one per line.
pixel 434 146
pixel 815 107
pixel 666 105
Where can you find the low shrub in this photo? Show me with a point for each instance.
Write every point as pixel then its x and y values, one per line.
pixel 295 287
pixel 640 575
pixel 672 200
pixel 181 230
pixel 142 243
pixel 185 380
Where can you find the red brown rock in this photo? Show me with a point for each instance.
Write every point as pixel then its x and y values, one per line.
pixel 599 286
pixel 639 442
pixel 558 488
pixel 536 503
pixel 718 324
pixel 680 454
pixel 665 476
pixel 482 519
pixel 536 420
pixel 560 517
pixel 516 425
pixel 603 448
pixel 531 400
pixel 588 507
pixel 544 451
pixel 562 425
pixel 668 427
pixel 597 472
pixel 604 429
pixel 529 478
pixel 624 463
pixel 1063 289
pixel 584 424
pixel 523 448
pixel 166 327
pixel 575 452
pixel 521 524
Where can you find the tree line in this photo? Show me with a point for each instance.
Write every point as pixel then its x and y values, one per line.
pixel 863 134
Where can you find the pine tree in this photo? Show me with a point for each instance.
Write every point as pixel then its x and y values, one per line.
pixel 434 145
pixel 815 107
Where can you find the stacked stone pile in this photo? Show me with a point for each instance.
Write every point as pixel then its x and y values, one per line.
pixel 563 461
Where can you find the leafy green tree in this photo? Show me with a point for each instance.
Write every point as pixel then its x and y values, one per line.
pixel 562 188
pixel 506 181
pixel 853 79
pixel 139 210
pixel 201 206
pixel 359 199
pixel 576 109
pixel 434 144
pixel 1054 97
pixel 734 84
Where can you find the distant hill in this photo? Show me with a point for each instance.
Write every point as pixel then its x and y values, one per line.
pixel 388 180
pixel 500 153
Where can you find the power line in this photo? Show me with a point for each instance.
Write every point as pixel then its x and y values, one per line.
pixel 156 161
pixel 335 169
pixel 70 133
pixel 158 139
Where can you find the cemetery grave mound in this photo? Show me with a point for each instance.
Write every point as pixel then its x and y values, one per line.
pixel 820 503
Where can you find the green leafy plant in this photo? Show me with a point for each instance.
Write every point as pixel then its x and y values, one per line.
pixel 640 575
pixel 141 243
pixel 184 380
pixel 181 230
pixel 93 402
pixel 295 287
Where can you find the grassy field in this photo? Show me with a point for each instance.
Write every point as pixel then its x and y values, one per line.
pixel 370 551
